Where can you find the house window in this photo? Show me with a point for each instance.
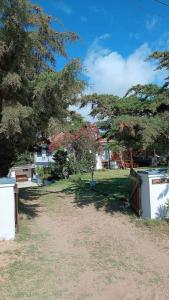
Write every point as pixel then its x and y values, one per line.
pixel 48 153
pixel 39 153
pixel 106 155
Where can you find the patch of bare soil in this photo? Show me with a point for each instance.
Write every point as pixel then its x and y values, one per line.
pixel 102 256
pixel 7 250
pixel 84 254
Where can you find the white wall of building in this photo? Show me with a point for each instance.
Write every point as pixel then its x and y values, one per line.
pixel 12 174
pixel 98 162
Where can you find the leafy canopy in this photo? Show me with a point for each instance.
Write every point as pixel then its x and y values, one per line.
pixel 136 121
pixel 32 92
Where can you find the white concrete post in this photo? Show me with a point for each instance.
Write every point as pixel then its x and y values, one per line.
pixel 7 211
pixel 154 193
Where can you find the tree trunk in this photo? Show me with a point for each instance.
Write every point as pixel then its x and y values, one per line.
pixel 131 158
pixel 122 160
pixel 108 158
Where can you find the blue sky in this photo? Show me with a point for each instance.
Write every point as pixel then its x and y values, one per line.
pixel 116 37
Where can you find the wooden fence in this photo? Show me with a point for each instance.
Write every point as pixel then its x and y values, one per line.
pixel 135 195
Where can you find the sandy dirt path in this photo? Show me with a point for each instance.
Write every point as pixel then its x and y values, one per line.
pixel 105 256
pixel 85 254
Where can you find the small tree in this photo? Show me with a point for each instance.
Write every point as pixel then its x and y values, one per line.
pixel 43 173
pixel 60 167
pixel 84 146
pixel 81 146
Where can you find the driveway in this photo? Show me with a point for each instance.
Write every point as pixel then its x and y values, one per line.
pixel 68 252
pixel 26 184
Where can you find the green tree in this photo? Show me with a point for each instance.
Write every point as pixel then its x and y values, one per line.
pixel 81 143
pixel 60 167
pixel 162 58
pixel 135 122
pixel 31 90
pixel 75 122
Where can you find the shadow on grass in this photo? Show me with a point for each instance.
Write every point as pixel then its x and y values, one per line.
pixel 110 194
pixel 26 204
pixel 28 197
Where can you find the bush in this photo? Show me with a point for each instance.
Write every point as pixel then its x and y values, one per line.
pixel 24 159
pixel 60 168
pixel 78 181
pixel 43 173
pixel 75 178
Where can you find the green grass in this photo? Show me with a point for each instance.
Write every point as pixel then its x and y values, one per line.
pixel 111 191
pixel 112 188
pixel 157 227
pixel 24 231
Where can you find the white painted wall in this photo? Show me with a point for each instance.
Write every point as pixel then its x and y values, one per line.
pixel 113 165
pixel 154 197
pixel 7 212
pixel 159 194
pixel 13 174
pixel 98 162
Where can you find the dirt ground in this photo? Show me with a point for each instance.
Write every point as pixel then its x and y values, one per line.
pixel 81 253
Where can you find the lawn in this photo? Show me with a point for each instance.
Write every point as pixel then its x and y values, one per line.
pixel 111 190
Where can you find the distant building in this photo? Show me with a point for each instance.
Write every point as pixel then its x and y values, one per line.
pixel 22 173
pixel 104 156
pixel 42 156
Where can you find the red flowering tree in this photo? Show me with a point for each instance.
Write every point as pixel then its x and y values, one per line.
pixel 81 147
pixel 60 140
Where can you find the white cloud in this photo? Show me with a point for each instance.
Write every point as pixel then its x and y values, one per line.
pixel 109 72
pixel 104 36
pixel 151 23
pixel 64 7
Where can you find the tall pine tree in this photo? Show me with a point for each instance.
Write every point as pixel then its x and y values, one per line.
pixel 31 91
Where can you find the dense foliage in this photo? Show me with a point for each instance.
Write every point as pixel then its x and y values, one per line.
pixel 137 121
pixel 24 158
pixel 60 168
pixel 32 92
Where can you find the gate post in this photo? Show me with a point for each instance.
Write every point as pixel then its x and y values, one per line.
pixel 135 195
pixel 16 208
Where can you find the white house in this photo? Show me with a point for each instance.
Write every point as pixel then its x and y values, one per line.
pixel 42 157
pixel 104 159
